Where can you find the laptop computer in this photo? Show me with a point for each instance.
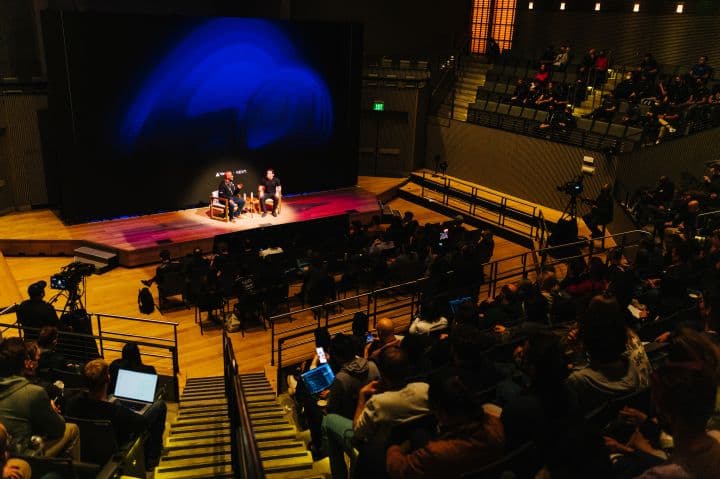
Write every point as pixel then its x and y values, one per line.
pixel 135 390
pixel 318 379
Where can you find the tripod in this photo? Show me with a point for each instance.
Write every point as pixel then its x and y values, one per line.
pixel 75 297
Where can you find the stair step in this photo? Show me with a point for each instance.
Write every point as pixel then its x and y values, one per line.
pixel 280 444
pixel 252 375
pixel 210 447
pixel 304 461
pixel 193 403
pixel 275 435
pixel 200 421
pixel 298 449
pixel 198 438
pixel 201 396
pixel 181 435
pixel 183 428
pixel 217 470
pixel 272 427
pixel 195 461
pixel 251 398
pixel 266 415
pixel 268 422
pixel 209 414
pixel 200 451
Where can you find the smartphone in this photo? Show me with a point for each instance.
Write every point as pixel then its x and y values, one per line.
pixel 369 338
pixel 321 355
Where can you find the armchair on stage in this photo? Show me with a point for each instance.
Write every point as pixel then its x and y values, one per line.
pixel 254 203
pixel 219 207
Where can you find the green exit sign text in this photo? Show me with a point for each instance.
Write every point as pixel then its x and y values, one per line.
pixel 378 105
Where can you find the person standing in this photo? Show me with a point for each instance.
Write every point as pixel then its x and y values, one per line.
pixel 231 191
pixel 269 189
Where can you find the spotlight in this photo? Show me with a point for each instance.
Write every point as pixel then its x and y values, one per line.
pixel 531 5
pixel 636 7
pixel 562 5
pixel 680 7
pixel 597 6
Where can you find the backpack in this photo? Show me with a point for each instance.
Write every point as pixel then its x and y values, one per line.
pixel 146 303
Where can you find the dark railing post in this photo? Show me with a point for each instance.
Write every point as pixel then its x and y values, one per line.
pixel 279 364
pixel 272 342
pixel 99 326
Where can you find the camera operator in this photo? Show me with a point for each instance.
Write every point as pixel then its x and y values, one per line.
pixel 601 211
pixel 35 313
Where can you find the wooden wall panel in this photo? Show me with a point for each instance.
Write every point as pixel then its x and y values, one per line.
pixel 518 165
pixel 677 159
pixel 673 39
pixel 20 148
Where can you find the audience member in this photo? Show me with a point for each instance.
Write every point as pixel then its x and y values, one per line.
pixel 130 360
pixel 26 409
pixel 468 438
pixel 12 468
pixel 50 359
pixel 430 320
pixel 701 70
pixel 385 338
pixel 34 313
pixel 166 265
pixel 126 423
pixel 608 374
pixel 381 405
pixel 353 373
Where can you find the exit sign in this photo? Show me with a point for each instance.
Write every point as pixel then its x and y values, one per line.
pixel 378 105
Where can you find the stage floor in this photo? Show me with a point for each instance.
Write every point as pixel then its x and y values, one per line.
pixel 138 240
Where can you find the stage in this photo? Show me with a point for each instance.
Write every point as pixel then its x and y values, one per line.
pixel 138 240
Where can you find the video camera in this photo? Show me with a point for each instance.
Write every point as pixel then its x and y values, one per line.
pixel 70 276
pixel 573 187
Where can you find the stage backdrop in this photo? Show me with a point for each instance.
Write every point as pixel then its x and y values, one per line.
pixel 148 110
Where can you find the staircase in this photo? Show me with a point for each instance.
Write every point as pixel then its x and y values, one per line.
pixel 594 97
pixel 198 445
pixel 471 75
pixel 283 454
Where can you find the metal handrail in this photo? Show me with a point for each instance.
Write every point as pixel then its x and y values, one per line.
pixel 698 218
pixel 245 454
pixel 528 263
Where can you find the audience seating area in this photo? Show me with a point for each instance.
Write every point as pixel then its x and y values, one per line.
pixel 631 118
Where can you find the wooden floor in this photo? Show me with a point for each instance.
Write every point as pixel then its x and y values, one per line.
pixel 116 293
pixel 139 240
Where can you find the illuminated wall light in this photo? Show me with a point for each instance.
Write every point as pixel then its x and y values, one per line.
pixel 531 5
pixel 680 8
pixel 636 7
pixel 562 5
pixel 597 6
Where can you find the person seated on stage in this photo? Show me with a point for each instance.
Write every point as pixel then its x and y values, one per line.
pixel 601 211
pixel 26 410
pixel 231 191
pixel 34 313
pixel 166 265
pixel 269 189
pixel 131 361
pixel 126 423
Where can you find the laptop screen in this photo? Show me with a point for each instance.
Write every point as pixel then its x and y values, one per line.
pixel 135 386
pixel 318 379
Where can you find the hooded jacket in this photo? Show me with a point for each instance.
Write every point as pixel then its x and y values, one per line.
pixel 346 386
pixel 25 411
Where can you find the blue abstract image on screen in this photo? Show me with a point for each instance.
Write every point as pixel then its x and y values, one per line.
pixel 247 70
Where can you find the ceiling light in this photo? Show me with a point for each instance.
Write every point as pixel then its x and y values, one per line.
pixel 597 6
pixel 680 8
pixel 636 7
pixel 531 5
pixel 562 5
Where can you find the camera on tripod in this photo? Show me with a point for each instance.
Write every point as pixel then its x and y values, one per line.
pixel 70 276
pixel 573 187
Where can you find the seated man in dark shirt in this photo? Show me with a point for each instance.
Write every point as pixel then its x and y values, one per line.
pixel 166 265
pixel 231 192
pixel 127 423
pixel 34 313
pixel 50 359
pixel 607 108
pixel 269 189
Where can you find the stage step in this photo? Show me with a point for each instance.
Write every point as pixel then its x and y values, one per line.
pixel 102 260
